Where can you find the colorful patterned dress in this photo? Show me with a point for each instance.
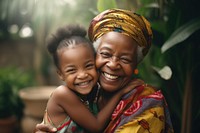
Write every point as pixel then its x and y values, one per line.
pixel 143 110
pixel 67 126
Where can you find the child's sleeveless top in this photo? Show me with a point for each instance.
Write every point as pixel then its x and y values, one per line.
pixel 68 125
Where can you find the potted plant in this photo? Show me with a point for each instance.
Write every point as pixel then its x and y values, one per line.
pixel 11 106
pixel 7 117
pixel 35 99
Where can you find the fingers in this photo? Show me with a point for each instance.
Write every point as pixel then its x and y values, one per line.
pixel 132 84
pixel 43 128
pixel 135 83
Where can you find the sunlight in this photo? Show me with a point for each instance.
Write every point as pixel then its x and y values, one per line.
pixel 13 29
pixel 26 31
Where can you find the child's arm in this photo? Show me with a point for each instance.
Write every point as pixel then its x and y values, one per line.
pixel 79 113
pixel 69 101
pixel 105 114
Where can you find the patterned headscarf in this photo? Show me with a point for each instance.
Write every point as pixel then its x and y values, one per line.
pixel 125 22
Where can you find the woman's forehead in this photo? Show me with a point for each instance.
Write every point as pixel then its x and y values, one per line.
pixel 118 41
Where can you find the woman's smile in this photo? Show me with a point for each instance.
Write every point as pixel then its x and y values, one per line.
pixel 110 76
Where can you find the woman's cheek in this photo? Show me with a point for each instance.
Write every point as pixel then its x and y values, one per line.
pixel 99 61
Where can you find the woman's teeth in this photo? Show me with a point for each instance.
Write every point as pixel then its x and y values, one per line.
pixel 110 76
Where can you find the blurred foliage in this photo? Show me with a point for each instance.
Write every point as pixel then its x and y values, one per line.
pixel 106 4
pixel 11 81
pixel 181 34
pixel 43 17
pixel 43 14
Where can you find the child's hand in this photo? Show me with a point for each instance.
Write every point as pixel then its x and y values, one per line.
pixel 42 128
pixel 130 86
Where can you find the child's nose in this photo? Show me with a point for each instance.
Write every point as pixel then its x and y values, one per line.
pixel 82 75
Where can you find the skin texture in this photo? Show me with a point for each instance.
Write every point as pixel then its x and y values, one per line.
pixel 116 56
pixel 116 61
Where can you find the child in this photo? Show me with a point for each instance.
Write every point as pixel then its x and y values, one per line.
pixel 74 105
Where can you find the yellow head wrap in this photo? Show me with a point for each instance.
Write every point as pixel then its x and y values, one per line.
pixel 125 22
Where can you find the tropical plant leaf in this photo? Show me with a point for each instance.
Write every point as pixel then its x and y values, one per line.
pixel 103 5
pixel 165 72
pixel 181 34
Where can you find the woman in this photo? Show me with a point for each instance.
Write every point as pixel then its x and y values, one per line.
pixel 122 38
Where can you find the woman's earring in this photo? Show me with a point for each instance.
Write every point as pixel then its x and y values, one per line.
pixel 136 71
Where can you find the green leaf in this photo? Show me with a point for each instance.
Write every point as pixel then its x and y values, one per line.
pixel 103 5
pixel 181 34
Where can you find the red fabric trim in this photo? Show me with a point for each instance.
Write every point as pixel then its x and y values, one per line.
pixel 63 125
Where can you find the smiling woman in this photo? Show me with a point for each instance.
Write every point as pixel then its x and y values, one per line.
pixel 122 38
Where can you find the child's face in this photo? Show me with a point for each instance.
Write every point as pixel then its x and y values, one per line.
pixel 77 68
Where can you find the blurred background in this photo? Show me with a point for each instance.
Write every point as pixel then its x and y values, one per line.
pixel 27 73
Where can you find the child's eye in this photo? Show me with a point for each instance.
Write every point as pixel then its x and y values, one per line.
pixel 70 70
pixel 91 65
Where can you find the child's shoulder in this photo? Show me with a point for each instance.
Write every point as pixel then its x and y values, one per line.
pixel 62 87
pixel 64 95
pixel 62 90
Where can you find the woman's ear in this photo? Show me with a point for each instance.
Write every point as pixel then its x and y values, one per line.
pixel 60 75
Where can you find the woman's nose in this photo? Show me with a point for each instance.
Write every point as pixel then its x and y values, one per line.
pixel 113 63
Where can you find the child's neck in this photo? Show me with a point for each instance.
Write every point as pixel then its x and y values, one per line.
pixel 82 97
pixel 90 96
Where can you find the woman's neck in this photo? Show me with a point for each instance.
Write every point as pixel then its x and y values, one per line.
pixel 104 98
pixel 107 95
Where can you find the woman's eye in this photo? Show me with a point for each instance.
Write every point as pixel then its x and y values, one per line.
pixel 105 54
pixel 126 60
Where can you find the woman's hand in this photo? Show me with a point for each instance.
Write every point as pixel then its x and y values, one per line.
pixel 130 86
pixel 43 128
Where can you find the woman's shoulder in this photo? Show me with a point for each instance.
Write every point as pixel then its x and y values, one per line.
pixel 146 89
pixel 145 92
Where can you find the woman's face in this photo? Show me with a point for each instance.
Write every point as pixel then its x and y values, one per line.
pixel 116 60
